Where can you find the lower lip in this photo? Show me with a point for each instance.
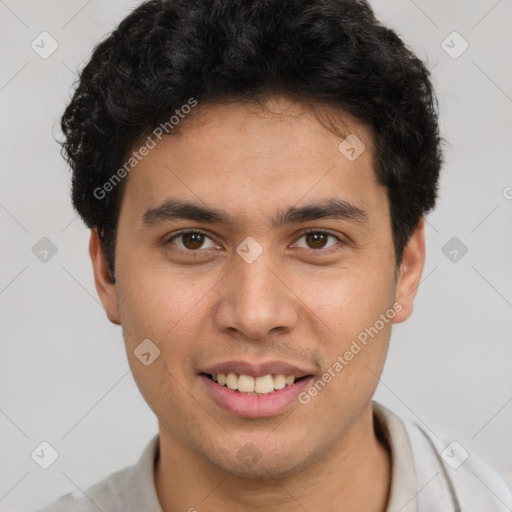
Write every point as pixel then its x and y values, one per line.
pixel 255 406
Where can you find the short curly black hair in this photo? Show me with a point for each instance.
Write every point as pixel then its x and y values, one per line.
pixel 334 51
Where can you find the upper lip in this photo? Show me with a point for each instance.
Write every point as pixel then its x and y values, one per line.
pixel 257 369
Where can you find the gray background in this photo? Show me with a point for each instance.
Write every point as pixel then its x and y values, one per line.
pixel 64 375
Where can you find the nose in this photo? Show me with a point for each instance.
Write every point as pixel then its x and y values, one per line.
pixel 256 300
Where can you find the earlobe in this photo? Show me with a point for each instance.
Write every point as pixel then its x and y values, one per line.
pixel 409 274
pixel 103 278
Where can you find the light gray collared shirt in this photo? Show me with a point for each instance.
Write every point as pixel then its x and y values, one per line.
pixel 428 474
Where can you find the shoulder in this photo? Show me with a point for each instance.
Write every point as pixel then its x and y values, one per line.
pixel 475 484
pixel 439 470
pixel 102 496
pixel 131 488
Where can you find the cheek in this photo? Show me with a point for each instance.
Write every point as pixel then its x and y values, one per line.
pixel 167 309
pixel 153 308
pixel 352 301
pixel 156 303
pixel 358 312
pixel 353 362
pixel 162 384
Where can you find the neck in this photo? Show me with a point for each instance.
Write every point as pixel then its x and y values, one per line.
pixel 354 475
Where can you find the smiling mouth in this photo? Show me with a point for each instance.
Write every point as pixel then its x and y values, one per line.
pixel 248 385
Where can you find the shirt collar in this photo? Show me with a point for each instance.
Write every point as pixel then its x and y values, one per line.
pixel 389 427
pixel 141 490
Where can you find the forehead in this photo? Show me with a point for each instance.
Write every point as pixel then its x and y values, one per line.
pixel 250 158
pixel 270 128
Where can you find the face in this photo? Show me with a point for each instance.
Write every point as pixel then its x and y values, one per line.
pixel 251 245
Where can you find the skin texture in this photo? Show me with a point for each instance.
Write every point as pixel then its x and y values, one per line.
pixel 297 302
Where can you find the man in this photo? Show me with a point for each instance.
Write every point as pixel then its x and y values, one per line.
pixel 255 175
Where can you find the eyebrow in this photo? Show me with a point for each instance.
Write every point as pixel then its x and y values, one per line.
pixel 332 208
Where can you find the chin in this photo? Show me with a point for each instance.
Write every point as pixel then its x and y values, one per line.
pixel 260 462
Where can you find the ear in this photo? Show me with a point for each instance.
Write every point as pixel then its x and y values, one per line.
pixel 409 273
pixel 102 278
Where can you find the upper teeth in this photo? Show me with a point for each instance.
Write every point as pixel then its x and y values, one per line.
pixel 247 384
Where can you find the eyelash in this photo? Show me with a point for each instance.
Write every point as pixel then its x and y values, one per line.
pixel 310 230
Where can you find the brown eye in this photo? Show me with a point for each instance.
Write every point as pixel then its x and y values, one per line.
pixel 191 240
pixel 317 240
